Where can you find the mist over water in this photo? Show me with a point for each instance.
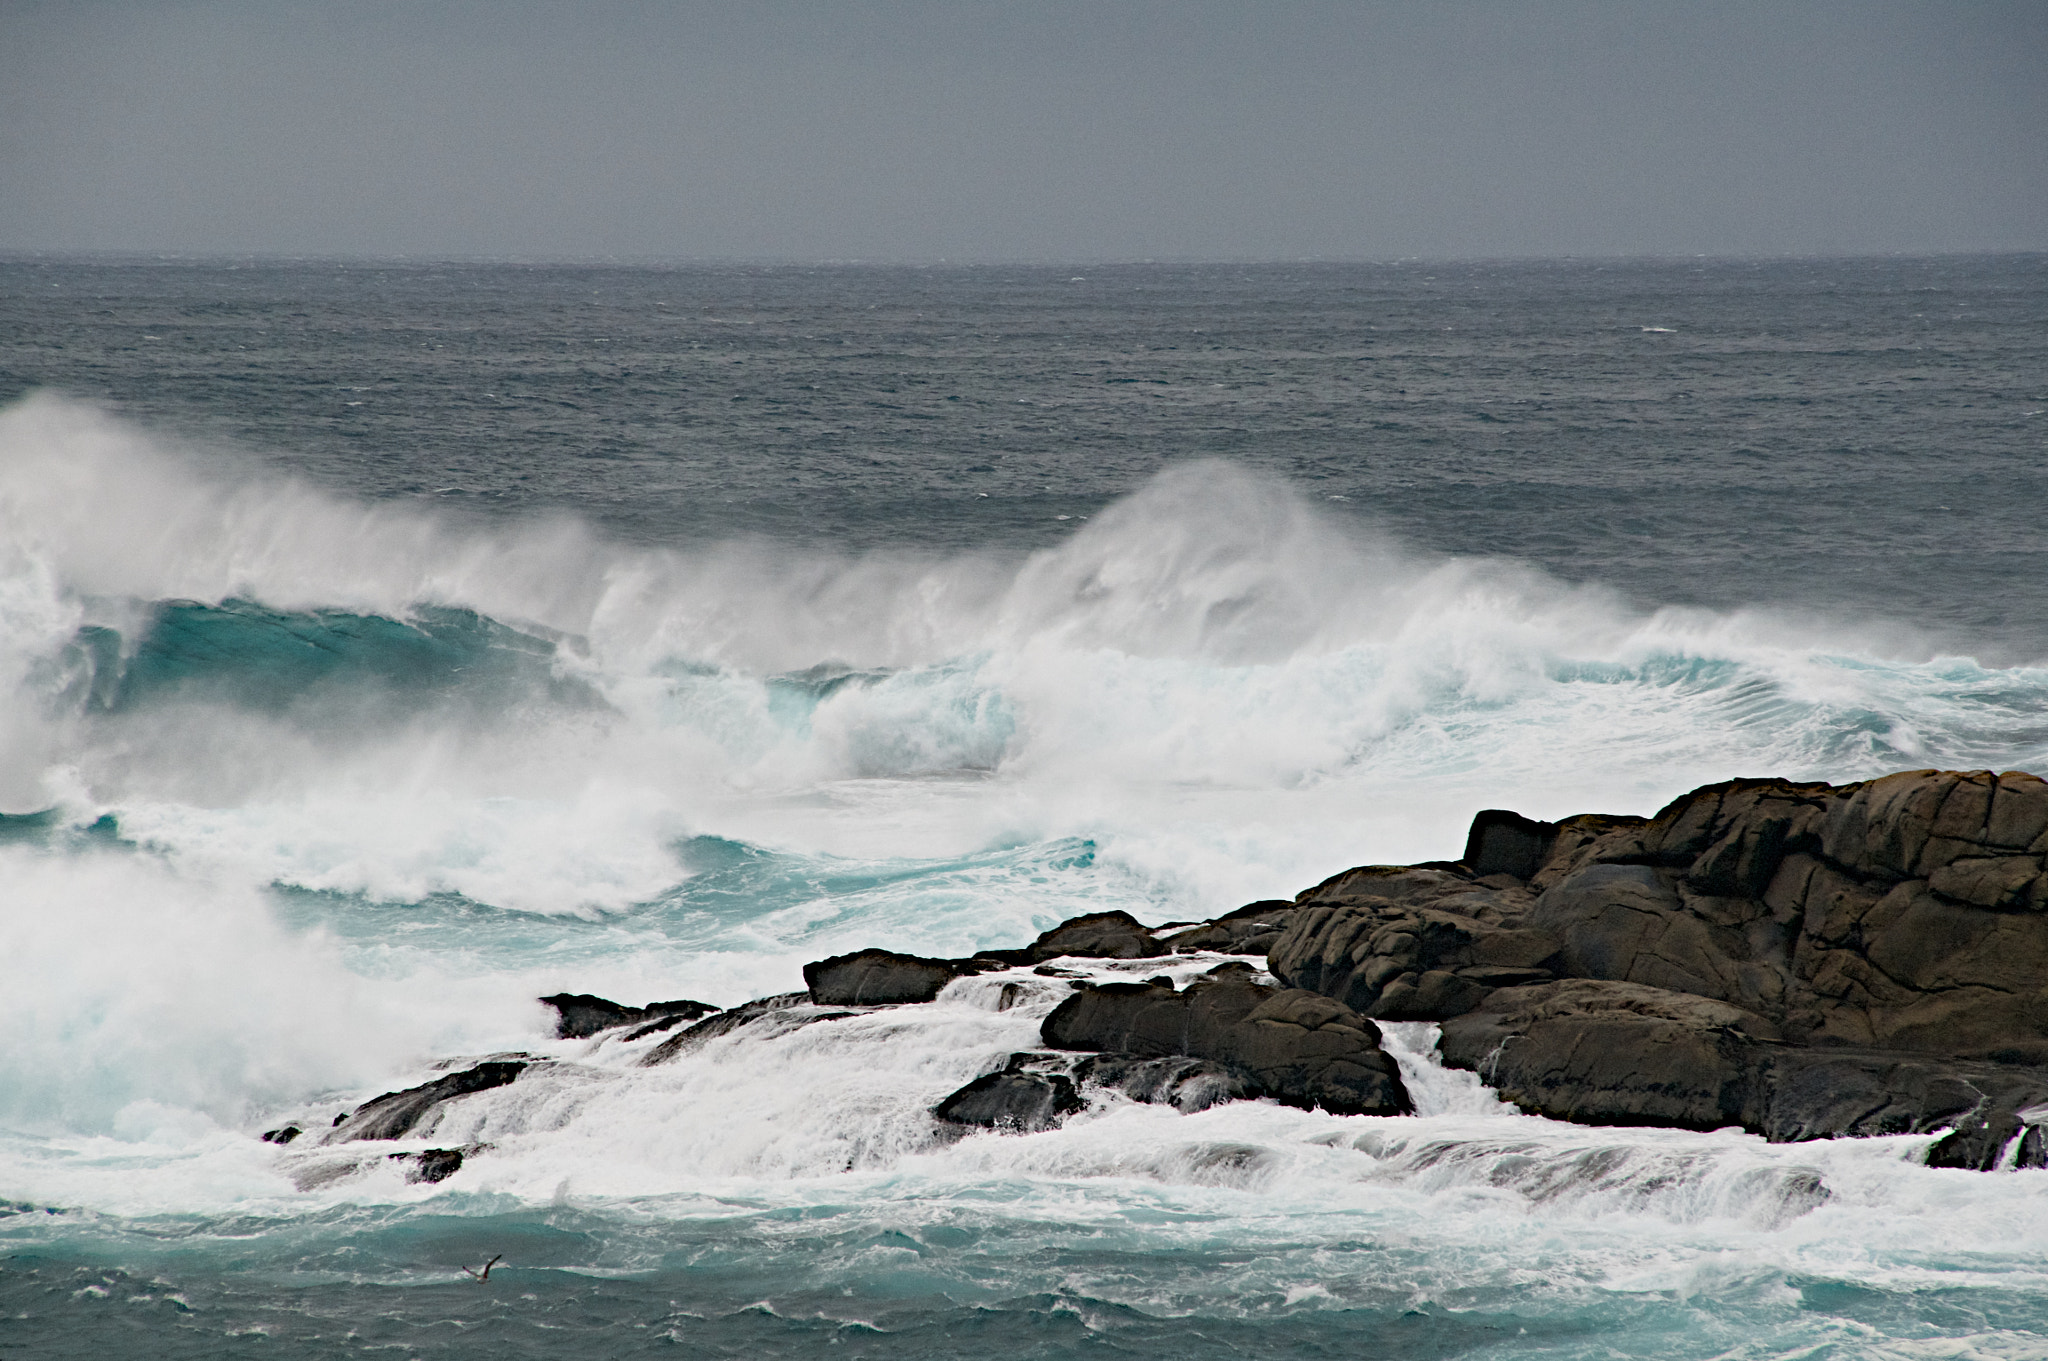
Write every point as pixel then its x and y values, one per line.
pixel 307 786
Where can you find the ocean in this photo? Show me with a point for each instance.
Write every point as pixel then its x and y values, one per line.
pixel 387 645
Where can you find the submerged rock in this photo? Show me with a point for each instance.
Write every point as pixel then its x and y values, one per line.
pixel 1186 1084
pixel 1018 1101
pixel 431 1164
pixel 394 1114
pixel 580 1015
pixel 883 978
pixel 777 1015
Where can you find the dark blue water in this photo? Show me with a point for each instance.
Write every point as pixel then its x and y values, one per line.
pixel 1835 434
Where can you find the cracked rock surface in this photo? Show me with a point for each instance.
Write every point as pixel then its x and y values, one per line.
pixel 1800 959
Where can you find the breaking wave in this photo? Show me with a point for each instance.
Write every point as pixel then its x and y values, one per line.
pixel 301 792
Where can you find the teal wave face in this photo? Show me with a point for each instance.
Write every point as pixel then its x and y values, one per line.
pixel 247 654
pixel 736 901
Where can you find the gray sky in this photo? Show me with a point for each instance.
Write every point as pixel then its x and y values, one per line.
pixel 833 129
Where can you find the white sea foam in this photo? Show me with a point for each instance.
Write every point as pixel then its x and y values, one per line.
pixel 1213 691
pixel 1226 688
pixel 834 1113
pixel 151 1003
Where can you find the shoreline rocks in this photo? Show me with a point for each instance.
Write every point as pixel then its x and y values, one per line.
pixel 1298 1047
pixel 396 1114
pixel 578 1015
pixel 1804 960
pixel 1801 960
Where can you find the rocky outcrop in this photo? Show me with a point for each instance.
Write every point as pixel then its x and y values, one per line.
pixel 1250 930
pixel 1417 943
pixel 1800 959
pixel 775 1015
pixel 1099 935
pixel 1016 1100
pixel 1289 1044
pixel 578 1015
pixel 1607 1053
pixel 1186 1084
pixel 432 1164
pixel 395 1114
pixel 883 978
pixel 1504 842
pixel 1994 1112
pixel 1897 929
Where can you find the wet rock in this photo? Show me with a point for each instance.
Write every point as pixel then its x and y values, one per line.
pixel 1613 1053
pixel 282 1136
pixel 1099 935
pixel 1502 842
pixel 769 1016
pixel 417 1165
pixel 1019 1102
pixel 395 1114
pixel 430 1164
pixel 1294 1046
pixel 883 978
pixel 1495 900
pixel 1186 1084
pixel 1638 924
pixel 1821 1093
pixel 1401 963
pixel 1884 945
pixel 580 1015
pixel 1250 930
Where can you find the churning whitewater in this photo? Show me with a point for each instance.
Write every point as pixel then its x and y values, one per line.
pixel 308 796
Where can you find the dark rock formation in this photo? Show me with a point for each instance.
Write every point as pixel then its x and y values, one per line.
pixel 1099 935
pixel 1801 959
pixel 431 1164
pixel 1297 1047
pixel 283 1135
pixel 883 978
pixel 1816 1093
pixel 1188 1085
pixel 1622 1053
pixel 1412 944
pixel 1015 1099
pixel 580 1015
pixel 1502 842
pixel 1250 930
pixel 777 1015
pixel 1606 1053
pixel 393 1115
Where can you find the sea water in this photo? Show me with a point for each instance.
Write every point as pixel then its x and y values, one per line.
pixel 384 646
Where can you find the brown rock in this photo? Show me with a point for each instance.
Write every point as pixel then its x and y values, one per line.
pixel 1099 935
pixel 1295 1046
pixel 1610 1053
pixel 873 978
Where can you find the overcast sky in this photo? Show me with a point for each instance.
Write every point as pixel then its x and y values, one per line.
pixel 835 129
